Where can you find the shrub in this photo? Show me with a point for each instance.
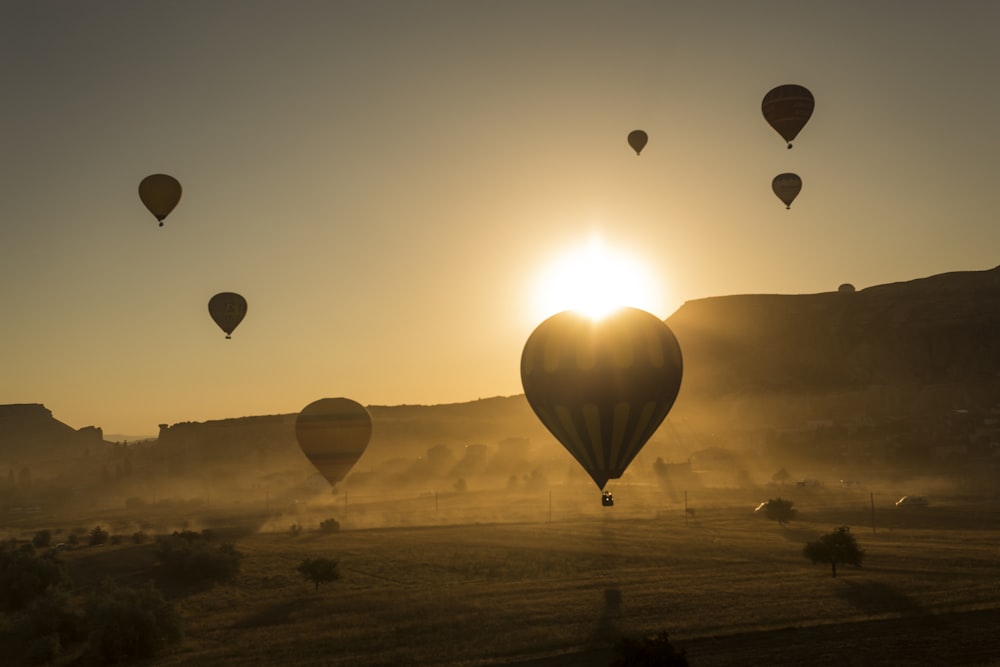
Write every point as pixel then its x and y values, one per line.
pixel 24 577
pixel 780 510
pixel 139 537
pixel 330 525
pixel 648 651
pixel 43 649
pixel 42 538
pixel 49 623
pixel 98 536
pixel 128 624
pixel 193 559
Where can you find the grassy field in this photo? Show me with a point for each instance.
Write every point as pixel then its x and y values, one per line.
pixel 519 588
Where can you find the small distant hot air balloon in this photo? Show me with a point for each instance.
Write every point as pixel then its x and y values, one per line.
pixel 787 109
pixel 160 193
pixel 846 288
pixel 602 387
pixel 228 310
pixel 333 434
pixel 787 187
pixel 637 140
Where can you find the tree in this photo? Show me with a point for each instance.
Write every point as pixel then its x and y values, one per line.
pixel 780 510
pixel 42 538
pixel 188 557
pixel 127 624
pixel 98 536
pixel 319 570
pixel 648 651
pixel 835 548
pixel 24 577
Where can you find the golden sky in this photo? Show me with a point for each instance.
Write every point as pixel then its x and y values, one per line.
pixel 391 184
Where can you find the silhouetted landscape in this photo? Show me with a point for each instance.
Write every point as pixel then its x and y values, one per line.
pixel 841 401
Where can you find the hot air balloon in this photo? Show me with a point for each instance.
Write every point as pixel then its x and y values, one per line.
pixel 787 109
pixel 160 193
pixel 228 310
pixel 787 187
pixel 333 434
pixel 637 140
pixel 602 387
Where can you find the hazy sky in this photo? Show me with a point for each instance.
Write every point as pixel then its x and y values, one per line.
pixel 388 183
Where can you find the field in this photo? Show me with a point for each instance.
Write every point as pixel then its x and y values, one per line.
pixel 554 580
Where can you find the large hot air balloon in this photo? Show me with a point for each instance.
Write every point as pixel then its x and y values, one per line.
pixel 787 187
pixel 637 140
pixel 228 310
pixel 333 434
pixel 787 109
pixel 602 387
pixel 160 193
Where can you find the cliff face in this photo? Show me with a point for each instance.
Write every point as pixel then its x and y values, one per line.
pixel 893 340
pixel 29 432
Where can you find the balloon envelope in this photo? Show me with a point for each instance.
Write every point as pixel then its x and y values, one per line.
pixel 160 193
pixel 787 109
pixel 602 387
pixel 333 434
pixel 787 187
pixel 228 310
pixel 637 140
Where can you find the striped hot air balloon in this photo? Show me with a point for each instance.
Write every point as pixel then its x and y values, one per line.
pixel 333 434
pixel 787 109
pixel 602 387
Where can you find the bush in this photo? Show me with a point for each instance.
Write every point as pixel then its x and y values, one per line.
pixel 780 510
pixel 186 558
pixel 42 538
pixel 98 536
pixel 24 577
pixel 128 624
pixel 49 623
pixel 656 651
pixel 330 525
pixel 43 649
pixel 139 537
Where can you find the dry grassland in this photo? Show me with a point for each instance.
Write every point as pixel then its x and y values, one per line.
pixel 731 588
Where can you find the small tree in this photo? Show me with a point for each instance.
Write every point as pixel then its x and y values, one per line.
pixel 42 538
pixel 780 510
pixel 330 525
pixel 319 570
pixel 655 650
pixel 835 548
pixel 24 576
pixel 129 624
pixel 98 536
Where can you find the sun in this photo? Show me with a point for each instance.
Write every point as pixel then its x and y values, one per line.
pixel 595 280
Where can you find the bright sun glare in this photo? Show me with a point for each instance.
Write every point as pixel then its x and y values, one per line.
pixel 595 280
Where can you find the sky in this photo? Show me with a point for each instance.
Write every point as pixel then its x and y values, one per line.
pixel 391 184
